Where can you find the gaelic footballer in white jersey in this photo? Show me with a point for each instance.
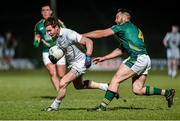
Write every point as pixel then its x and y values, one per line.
pixel 78 61
pixel 74 56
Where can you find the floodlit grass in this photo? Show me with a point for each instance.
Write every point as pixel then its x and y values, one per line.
pixel 24 93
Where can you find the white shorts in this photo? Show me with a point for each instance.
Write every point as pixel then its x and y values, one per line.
pixel 173 53
pixel 79 66
pixel 46 60
pixel 141 65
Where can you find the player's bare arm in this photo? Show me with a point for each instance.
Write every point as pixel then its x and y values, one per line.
pixel 99 33
pixel 113 54
pixel 89 45
pixel 165 42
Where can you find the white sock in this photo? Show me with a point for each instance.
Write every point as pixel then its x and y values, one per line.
pixel 169 72
pixel 56 104
pixel 173 73
pixel 103 86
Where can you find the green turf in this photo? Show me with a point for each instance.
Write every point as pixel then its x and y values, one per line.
pixel 24 93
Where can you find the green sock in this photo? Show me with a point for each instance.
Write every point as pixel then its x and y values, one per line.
pixel 107 98
pixel 152 91
pixel 167 92
pixel 157 91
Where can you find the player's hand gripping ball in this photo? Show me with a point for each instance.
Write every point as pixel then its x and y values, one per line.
pixel 55 54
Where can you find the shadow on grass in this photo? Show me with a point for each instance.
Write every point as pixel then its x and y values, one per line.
pixel 133 108
pixel 45 97
pixel 110 109
pixel 124 108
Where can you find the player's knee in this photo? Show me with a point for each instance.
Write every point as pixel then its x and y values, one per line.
pixel 62 84
pixel 61 75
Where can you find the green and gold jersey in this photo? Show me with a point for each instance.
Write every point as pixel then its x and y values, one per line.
pixel 131 38
pixel 46 40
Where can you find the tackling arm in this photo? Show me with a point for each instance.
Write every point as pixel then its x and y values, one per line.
pixel 99 33
pixel 113 54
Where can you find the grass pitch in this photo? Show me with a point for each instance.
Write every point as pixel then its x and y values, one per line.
pixel 24 93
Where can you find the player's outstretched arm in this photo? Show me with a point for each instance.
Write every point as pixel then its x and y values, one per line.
pixel 113 54
pixel 99 33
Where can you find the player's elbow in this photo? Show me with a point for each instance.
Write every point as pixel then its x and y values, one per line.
pixel 89 42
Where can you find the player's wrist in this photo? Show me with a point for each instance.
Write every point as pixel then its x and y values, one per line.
pixel 88 54
pixel 104 58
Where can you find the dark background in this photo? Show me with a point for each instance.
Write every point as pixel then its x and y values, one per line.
pixel 154 19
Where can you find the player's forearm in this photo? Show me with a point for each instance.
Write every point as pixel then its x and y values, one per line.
pixel 94 34
pixel 89 45
pixel 113 54
pixel 165 43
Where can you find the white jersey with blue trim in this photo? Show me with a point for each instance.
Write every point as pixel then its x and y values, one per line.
pixel 66 40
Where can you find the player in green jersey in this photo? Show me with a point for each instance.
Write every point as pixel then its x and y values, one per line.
pixel 136 65
pixel 44 41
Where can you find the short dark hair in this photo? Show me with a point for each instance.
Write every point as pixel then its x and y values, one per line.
pixel 46 4
pixel 175 25
pixel 53 21
pixel 123 10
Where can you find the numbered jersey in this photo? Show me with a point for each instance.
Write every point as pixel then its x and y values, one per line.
pixel 47 41
pixel 131 38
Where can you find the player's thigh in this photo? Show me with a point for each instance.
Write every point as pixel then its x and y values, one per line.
pixel 123 73
pixel 51 68
pixel 67 78
pixel 61 69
